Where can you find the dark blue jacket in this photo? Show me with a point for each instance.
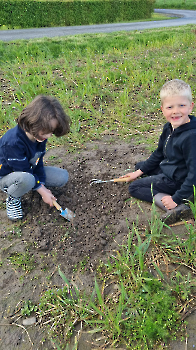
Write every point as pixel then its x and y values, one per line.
pixel 176 156
pixel 19 153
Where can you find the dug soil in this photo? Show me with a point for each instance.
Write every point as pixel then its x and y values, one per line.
pixel 32 249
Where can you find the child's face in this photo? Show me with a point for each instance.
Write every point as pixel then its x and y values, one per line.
pixel 43 136
pixel 176 110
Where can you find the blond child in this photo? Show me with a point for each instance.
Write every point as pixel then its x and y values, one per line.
pixel 172 166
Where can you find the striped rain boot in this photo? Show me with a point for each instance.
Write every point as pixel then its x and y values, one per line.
pixel 14 209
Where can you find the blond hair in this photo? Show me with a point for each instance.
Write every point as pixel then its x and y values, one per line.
pixel 176 87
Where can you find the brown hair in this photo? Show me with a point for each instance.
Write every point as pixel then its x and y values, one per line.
pixel 38 114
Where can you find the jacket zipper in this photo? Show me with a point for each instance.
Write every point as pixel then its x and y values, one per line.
pixel 165 146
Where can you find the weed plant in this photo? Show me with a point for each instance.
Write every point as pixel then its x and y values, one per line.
pixel 28 308
pixel 183 251
pixel 24 261
pixel 108 83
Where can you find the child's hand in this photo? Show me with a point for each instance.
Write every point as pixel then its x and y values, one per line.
pixel 47 195
pixel 132 176
pixel 168 202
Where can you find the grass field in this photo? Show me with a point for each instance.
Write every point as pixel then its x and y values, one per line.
pixel 104 81
pixel 110 82
pixel 178 4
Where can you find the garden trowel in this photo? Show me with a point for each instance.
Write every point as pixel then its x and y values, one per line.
pixel 66 213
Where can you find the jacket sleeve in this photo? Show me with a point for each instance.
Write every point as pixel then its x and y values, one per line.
pixel 18 161
pixel 156 157
pixel 186 189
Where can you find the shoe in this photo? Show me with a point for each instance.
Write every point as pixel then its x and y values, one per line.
pixel 181 212
pixel 14 209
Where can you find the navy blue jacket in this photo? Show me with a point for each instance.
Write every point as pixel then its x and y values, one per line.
pixel 176 156
pixel 19 153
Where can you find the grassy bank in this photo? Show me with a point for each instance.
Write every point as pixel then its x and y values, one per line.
pixel 177 4
pixel 108 83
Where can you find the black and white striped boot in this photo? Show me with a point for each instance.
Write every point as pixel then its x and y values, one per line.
pixel 14 209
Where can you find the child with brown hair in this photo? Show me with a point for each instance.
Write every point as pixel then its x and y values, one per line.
pixel 21 154
pixel 171 168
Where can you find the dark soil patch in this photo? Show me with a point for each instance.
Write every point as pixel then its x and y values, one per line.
pixel 45 240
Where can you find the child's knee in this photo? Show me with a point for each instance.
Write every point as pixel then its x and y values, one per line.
pixel 66 176
pixel 63 177
pixel 27 180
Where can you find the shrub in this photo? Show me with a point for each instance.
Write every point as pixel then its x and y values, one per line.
pixel 28 14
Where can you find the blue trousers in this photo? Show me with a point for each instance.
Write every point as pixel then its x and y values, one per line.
pixel 18 183
pixel 147 187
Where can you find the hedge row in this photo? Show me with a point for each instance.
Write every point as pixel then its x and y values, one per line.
pixel 31 14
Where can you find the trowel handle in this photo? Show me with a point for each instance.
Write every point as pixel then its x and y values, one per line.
pixel 57 205
pixel 121 179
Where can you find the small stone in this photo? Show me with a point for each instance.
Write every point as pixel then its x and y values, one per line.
pixel 29 321
pixel 103 242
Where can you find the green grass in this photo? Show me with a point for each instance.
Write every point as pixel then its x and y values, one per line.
pixel 28 308
pixel 106 82
pixel 24 261
pixel 129 306
pixel 141 294
pixel 178 4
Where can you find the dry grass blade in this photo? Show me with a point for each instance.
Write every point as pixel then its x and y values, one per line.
pixel 69 328
pixel 189 222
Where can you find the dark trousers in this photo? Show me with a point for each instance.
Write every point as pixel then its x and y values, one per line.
pixel 148 186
